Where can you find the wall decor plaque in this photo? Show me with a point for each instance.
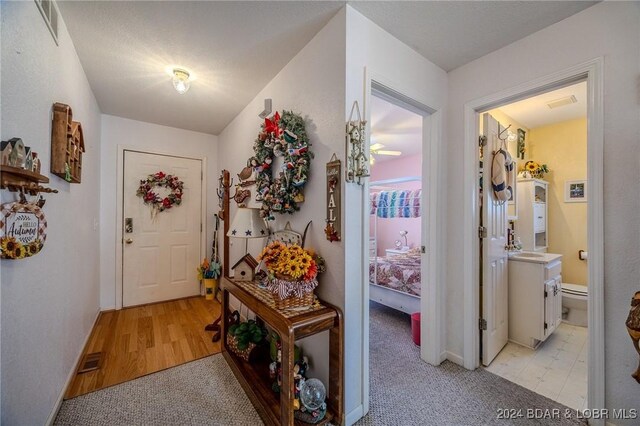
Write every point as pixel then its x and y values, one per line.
pixel 23 230
pixel 333 228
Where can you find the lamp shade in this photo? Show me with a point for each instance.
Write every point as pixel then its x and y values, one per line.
pixel 247 223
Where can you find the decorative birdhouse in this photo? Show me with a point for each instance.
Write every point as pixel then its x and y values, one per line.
pixel 244 269
pixel 6 148
pixel 13 153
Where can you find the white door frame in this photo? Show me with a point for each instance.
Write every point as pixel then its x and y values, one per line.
pixel 432 301
pixel 592 73
pixel 120 205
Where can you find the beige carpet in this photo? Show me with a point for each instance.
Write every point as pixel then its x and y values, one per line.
pixel 404 391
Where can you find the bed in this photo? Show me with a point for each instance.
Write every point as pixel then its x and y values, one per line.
pixel 395 281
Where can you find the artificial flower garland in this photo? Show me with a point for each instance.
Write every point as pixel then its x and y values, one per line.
pixel 157 203
pixel 282 136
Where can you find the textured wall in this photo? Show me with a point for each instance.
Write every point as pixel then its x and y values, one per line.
pixel 372 50
pixel 311 84
pixel 563 147
pixel 49 301
pixel 610 30
pixel 153 138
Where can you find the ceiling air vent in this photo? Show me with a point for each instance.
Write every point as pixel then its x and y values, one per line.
pixel 49 11
pixel 562 102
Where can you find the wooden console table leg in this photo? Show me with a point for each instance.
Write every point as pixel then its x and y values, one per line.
pixel 224 315
pixel 336 369
pixel 286 391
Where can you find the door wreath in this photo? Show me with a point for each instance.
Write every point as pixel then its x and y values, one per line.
pixel 282 136
pixel 153 199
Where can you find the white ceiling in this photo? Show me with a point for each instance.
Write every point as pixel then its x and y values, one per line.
pixel 453 33
pixel 534 112
pixel 396 128
pixel 236 48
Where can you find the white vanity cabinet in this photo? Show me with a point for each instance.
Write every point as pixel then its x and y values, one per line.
pixel 535 297
pixel 531 223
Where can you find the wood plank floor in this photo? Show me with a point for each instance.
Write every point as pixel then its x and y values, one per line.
pixel 145 339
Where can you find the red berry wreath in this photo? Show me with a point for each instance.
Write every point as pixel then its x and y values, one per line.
pixel 145 190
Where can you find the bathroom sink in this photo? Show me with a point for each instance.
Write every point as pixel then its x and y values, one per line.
pixel 529 255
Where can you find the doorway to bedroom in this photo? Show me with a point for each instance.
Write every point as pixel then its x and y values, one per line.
pixel 395 229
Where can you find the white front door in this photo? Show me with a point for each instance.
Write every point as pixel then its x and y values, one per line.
pixel 495 300
pixel 160 252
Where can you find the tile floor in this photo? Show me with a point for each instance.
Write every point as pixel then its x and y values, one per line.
pixel 557 369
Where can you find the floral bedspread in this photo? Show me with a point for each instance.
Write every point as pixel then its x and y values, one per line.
pixel 400 272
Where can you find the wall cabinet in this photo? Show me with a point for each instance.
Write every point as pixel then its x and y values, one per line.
pixel 535 297
pixel 531 225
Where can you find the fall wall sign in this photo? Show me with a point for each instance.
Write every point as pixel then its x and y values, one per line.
pixel 23 230
pixel 333 228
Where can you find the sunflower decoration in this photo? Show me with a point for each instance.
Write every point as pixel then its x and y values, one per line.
pixel 19 252
pixel 535 169
pixel 8 245
pixel 291 262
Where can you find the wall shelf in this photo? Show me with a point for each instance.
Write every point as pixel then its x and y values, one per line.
pixel 67 144
pixel 16 179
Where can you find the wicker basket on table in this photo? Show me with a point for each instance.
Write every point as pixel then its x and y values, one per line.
pixel 289 293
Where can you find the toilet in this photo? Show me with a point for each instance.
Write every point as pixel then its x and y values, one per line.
pixel 574 304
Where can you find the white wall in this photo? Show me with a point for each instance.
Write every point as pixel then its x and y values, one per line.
pixel 404 70
pixel 155 138
pixel 311 84
pixel 51 300
pixel 610 30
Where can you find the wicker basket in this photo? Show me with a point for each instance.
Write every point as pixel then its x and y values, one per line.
pixel 292 301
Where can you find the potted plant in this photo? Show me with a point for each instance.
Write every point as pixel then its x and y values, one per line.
pixel 208 273
pixel 243 337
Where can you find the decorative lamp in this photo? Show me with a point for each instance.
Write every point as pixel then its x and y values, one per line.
pixel 246 224
pixel 404 235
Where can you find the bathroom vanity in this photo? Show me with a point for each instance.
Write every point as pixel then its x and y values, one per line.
pixel 535 297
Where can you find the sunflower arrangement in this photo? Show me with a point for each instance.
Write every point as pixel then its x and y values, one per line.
pixel 292 261
pixel 535 169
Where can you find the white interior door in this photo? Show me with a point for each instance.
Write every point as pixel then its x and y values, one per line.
pixel 160 254
pixel 495 300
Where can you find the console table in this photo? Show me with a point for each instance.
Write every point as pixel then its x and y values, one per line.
pixel 277 409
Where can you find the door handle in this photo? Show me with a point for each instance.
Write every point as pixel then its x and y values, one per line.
pixel 128 241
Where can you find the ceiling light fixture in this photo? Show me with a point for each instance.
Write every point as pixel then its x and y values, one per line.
pixel 181 80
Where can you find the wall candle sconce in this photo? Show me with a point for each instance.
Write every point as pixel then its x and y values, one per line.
pixel 357 161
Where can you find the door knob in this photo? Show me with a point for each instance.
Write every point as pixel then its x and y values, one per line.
pixel 128 241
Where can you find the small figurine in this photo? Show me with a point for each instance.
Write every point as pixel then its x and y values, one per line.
pixel 633 328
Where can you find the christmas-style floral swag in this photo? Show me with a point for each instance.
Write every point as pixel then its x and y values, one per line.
pixel 286 137
pixel 157 203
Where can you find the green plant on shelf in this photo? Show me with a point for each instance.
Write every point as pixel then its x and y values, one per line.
pixel 246 333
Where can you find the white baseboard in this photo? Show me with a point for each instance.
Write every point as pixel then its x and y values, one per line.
pixel 72 373
pixel 455 358
pixel 443 356
pixel 354 416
